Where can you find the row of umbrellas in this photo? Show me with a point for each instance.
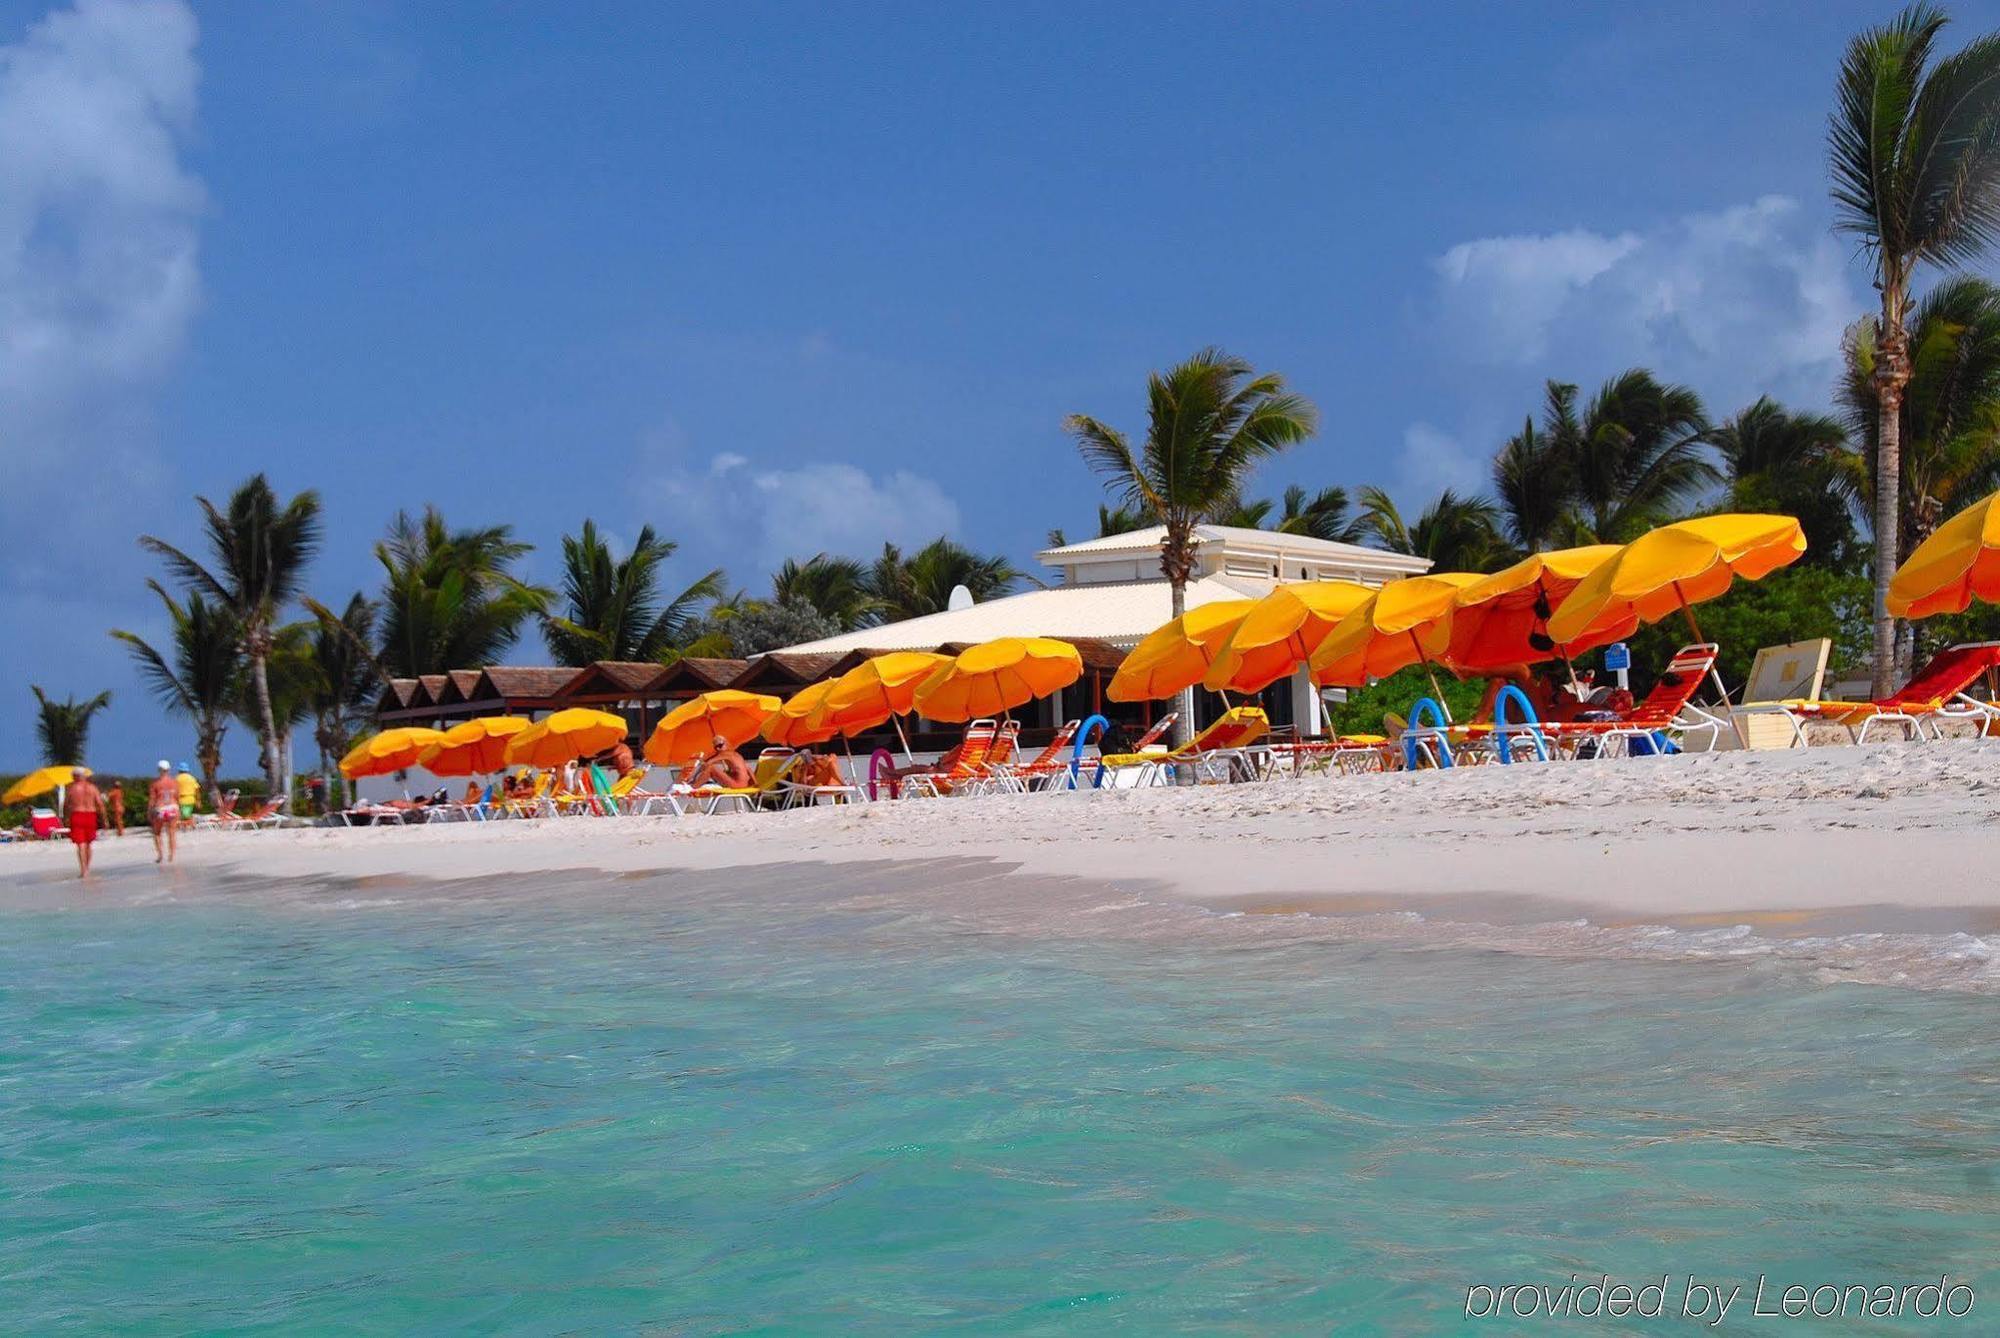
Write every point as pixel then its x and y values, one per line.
pixel 1548 605
pixel 987 679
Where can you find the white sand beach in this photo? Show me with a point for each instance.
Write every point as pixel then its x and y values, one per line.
pixel 1894 838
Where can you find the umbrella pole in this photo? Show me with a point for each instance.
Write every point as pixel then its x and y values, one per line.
pixel 1715 671
pixel 908 756
pixel 1430 669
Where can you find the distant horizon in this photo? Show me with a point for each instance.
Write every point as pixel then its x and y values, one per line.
pixel 782 280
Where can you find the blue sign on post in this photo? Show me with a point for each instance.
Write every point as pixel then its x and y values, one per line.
pixel 1617 656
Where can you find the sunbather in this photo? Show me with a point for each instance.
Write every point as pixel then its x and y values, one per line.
pixel 724 767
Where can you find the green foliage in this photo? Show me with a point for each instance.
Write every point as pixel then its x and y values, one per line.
pixel 1456 533
pixel 1364 708
pixel 910 587
pixel 1793 464
pixel 449 598
pixel 1795 604
pixel 63 727
pixel 751 628
pixel 840 588
pixel 612 606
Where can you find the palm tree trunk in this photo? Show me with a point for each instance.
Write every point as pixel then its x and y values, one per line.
pixel 1184 725
pixel 267 728
pixel 1892 374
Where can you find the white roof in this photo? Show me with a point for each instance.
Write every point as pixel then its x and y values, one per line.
pixel 1120 612
pixel 1236 538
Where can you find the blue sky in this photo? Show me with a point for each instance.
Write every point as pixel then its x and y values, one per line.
pixel 778 278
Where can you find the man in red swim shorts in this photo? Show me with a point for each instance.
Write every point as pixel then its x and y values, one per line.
pixel 85 802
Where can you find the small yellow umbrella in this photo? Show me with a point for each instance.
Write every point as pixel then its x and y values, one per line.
pixel 996 676
pixel 883 687
pixel 1959 563
pixel 797 722
pixel 38 782
pixel 1502 620
pixel 391 750
pixel 474 746
pixel 1675 567
pixel 1178 654
pixel 687 731
pixel 1404 622
pixel 1280 632
pixel 564 736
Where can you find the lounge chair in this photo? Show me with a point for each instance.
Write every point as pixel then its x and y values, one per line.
pixel 1043 766
pixel 960 764
pixel 1937 695
pixel 268 814
pixel 534 804
pixel 828 786
pixel 1667 710
pixel 1223 751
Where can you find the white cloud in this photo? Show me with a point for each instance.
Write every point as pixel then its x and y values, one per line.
pixel 748 517
pixel 1737 302
pixel 98 221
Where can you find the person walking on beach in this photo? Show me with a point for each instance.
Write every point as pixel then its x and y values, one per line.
pixel 187 793
pixel 85 801
pixel 163 812
pixel 114 804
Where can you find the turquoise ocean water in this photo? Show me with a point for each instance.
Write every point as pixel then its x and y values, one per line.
pixel 802 1101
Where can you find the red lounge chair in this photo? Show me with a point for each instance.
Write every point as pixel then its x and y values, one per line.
pixel 963 762
pixel 1938 693
pixel 1668 709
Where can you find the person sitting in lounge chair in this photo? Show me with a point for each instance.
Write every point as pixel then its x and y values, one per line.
pixel 724 767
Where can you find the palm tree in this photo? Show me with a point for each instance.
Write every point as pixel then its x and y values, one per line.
pixel 838 587
pixel 260 551
pixel 1457 533
pixel 294 680
pixel 1947 421
pixel 199 675
pixel 613 605
pixel 1914 146
pixel 910 587
pixel 449 600
pixel 1322 515
pixel 344 677
pixel 64 726
pixel 1210 420
pixel 1534 475
pixel 1110 520
pixel 1796 464
pixel 1640 455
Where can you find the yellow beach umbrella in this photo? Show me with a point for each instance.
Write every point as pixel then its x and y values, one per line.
pixel 564 736
pixel 797 722
pixel 38 782
pixel 474 746
pixel 1502 620
pixel 391 750
pixel 1404 622
pixel 1959 563
pixel 1280 632
pixel 996 676
pixel 1178 654
pixel 1675 567
pixel 688 731
pixel 879 688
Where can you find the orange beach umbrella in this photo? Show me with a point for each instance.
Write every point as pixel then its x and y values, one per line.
pixel 998 675
pixel 1177 654
pixel 1395 627
pixel 475 746
pixel 877 689
pixel 1959 563
pixel 1675 567
pixel 797 721
pixel 564 736
pixel 689 730
pixel 1280 632
pixel 1502 620
pixel 391 750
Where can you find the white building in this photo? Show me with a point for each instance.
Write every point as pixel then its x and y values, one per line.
pixel 1111 589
